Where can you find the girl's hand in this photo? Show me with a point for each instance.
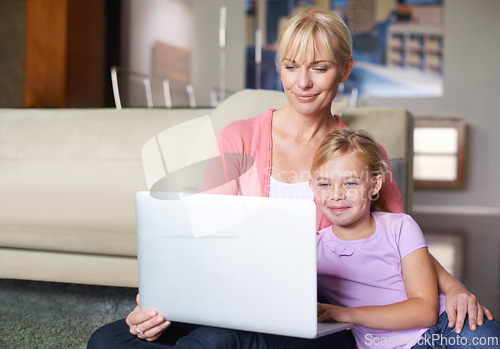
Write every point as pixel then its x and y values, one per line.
pixel 459 304
pixel 330 313
pixel 147 324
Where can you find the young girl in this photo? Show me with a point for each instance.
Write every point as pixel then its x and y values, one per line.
pixel 374 266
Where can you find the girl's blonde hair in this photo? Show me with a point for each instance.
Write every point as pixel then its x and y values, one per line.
pixel 362 146
pixel 313 27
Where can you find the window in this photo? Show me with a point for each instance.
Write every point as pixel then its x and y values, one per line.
pixel 439 153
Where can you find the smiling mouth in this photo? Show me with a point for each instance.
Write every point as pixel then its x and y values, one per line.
pixel 305 97
pixel 338 209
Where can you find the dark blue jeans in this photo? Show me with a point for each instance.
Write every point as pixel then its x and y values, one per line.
pixel 440 336
pixel 185 336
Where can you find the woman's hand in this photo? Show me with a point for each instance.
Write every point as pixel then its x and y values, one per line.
pixel 460 303
pixel 147 324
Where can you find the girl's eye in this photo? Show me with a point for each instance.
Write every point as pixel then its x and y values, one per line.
pixel 290 67
pixel 350 184
pixel 324 185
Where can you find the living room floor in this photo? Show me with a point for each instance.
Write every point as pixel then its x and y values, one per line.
pixel 57 315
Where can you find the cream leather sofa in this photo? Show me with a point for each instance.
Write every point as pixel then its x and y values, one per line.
pixel 68 179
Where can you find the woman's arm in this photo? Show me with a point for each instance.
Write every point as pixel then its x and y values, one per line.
pixel 459 302
pixel 422 303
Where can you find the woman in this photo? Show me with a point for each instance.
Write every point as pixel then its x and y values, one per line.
pixel 314 57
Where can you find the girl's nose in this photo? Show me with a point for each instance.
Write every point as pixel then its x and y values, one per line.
pixel 337 193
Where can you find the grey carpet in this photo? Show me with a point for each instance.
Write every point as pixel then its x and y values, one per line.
pixel 55 315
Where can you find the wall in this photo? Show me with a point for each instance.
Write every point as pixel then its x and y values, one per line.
pixel 192 25
pixel 12 52
pixel 168 21
pixel 471 88
pixel 206 54
pixel 45 62
pixel 51 53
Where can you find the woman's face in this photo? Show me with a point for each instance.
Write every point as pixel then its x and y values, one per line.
pixel 311 86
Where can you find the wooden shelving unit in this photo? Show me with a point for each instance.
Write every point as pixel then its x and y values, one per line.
pixel 415 46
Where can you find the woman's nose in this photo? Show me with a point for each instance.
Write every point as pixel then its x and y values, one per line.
pixel 305 81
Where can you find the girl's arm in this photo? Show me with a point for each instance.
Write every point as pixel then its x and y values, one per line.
pixel 419 310
pixel 460 303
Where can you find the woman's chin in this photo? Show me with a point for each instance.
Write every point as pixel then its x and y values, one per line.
pixel 309 108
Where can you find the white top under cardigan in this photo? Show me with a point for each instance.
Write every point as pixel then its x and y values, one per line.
pixel 300 190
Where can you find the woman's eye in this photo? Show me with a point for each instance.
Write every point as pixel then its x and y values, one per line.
pixel 290 67
pixel 350 184
pixel 323 185
pixel 320 69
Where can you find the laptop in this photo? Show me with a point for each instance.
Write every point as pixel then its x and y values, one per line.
pixel 239 262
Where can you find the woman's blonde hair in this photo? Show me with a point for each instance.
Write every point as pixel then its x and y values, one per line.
pixel 311 27
pixel 362 146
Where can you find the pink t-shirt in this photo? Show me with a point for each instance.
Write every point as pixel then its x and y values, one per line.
pixel 247 145
pixel 367 272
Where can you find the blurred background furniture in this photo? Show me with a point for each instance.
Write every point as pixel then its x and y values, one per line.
pixel 136 90
pixel 179 94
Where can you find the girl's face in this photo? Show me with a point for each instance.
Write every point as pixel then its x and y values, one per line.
pixel 343 188
pixel 310 87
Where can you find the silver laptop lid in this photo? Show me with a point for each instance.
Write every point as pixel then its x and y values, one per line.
pixel 239 262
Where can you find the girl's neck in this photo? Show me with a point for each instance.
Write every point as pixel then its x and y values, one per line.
pixel 361 229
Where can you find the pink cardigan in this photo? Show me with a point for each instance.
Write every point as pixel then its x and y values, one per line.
pixel 247 149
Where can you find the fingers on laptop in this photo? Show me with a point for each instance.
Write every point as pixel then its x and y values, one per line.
pixel 147 324
pixel 156 331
